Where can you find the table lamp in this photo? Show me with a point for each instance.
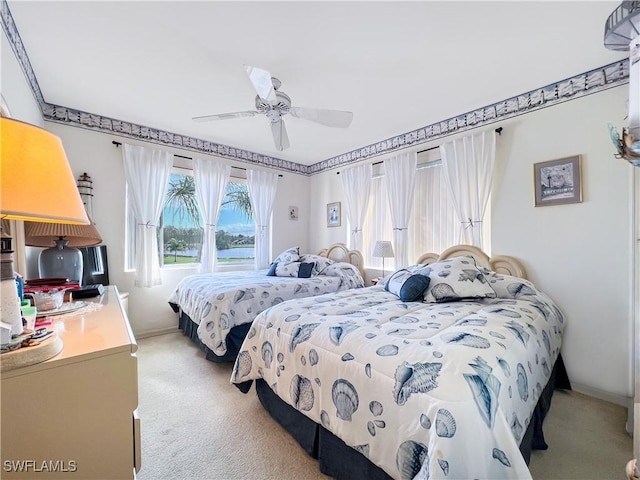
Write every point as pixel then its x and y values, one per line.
pixel 37 184
pixel 63 260
pixel 384 249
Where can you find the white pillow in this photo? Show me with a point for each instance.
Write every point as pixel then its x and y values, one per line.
pixel 294 269
pixel 348 273
pixel 507 286
pixel 289 255
pixel 457 278
pixel 320 262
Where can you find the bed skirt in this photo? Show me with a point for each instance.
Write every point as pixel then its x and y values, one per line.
pixel 234 338
pixel 338 460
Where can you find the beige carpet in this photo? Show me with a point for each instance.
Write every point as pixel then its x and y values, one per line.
pixel 196 425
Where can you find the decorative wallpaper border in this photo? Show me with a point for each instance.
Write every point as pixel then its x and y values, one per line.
pixel 90 121
pixel 9 27
pixel 593 81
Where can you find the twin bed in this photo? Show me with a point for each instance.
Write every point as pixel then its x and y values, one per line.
pixel 453 385
pixel 216 309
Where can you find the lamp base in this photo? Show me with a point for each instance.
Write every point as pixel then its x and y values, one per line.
pixel 61 262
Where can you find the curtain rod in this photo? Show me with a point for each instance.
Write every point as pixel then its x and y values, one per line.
pixel 498 131
pixel 117 144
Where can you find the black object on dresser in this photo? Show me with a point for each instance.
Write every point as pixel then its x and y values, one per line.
pixel 95 265
pixel 88 291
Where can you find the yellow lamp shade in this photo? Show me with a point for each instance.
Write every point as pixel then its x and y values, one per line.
pixel 37 181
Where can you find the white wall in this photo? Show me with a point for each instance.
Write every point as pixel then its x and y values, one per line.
pixel 326 188
pixel 14 87
pixel 580 254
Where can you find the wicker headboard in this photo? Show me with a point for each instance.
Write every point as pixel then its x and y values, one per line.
pixel 339 252
pixel 498 263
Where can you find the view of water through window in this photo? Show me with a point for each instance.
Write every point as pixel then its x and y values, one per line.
pixel 182 230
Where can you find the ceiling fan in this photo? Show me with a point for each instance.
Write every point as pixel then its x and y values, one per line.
pixel 274 104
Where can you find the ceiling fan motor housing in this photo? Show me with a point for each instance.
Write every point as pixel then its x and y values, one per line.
pixel 274 110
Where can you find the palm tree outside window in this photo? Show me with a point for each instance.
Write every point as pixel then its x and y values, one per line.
pixel 181 230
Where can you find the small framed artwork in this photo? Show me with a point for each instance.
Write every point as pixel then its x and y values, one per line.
pixel 293 213
pixel 333 214
pixel 558 182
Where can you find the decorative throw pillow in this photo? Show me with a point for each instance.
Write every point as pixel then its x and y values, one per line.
pixel 306 269
pixel 457 278
pixel 287 269
pixel 409 287
pixel 349 275
pixel 507 286
pixel 289 255
pixel 294 269
pixel 415 268
pixel 320 262
pixel 272 269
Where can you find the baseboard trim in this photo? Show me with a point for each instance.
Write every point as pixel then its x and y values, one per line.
pixel 153 333
pixel 621 400
pixel 602 395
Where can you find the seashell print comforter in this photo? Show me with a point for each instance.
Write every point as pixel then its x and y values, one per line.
pixel 217 302
pixel 424 390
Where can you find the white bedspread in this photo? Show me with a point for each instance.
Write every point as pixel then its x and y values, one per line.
pixel 427 391
pixel 219 301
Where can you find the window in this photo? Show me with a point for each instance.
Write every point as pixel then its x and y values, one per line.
pixel 377 223
pixel 180 231
pixel 235 230
pixel 434 225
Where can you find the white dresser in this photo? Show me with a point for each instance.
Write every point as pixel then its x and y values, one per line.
pixel 74 416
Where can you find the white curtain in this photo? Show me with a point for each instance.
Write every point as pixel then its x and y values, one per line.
pixel 377 225
pixel 357 186
pixel 262 188
pixel 468 170
pixel 147 174
pixel 400 172
pixel 434 226
pixel 211 180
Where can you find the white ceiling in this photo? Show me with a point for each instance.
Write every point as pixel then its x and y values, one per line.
pixel 397 66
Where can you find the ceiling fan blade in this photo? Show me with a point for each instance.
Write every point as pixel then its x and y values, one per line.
pixel 225 116
pixel 280 136
pixel 261 80
pixel 330 118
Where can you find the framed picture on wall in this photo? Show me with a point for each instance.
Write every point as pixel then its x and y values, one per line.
pixel 333 214
pixel 557 182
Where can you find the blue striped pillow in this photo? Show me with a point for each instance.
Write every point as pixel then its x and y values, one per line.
pixel 408 286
